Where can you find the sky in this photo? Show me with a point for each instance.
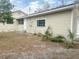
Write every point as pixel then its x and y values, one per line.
pixel 25 4
pixel 33 4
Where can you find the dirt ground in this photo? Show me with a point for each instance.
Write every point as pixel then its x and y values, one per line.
pixel 15 45
pixel 21 42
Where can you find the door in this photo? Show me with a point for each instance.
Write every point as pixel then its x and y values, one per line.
pixel 20 24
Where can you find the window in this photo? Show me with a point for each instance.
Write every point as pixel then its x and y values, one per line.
pixel 41 23
pixel 20 21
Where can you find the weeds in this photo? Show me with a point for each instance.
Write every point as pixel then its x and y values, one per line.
pixel 58 39
pixel 48 34
pixel 68 41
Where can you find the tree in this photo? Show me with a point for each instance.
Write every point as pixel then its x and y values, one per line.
pixel 62 2
pixel 5 10
pixel 46 5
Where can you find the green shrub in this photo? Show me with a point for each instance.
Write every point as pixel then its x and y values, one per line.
pixel 71 37
pixel 68 44
pixel 48 34
pixel 68 41
pixel 58 39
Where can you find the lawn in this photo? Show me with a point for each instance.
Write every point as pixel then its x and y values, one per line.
pixel 14 45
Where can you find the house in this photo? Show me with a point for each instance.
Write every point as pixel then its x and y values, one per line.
pixel 60 19
pixel 19 17
pixel 16 25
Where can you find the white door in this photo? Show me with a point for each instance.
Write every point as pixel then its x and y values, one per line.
pixel 20 28
pixel 25 25
pixel 20 24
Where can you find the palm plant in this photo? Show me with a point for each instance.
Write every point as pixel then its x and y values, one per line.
pixel 71 37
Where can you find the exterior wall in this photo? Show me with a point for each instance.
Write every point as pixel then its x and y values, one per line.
pixel 8 27
pixel 78 27
pixel 60 23
pixel 20 28
pixel 18 15
pixel 15 26
pixel 76 19
pixel 11 27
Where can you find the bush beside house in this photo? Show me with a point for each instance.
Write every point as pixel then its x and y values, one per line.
pixel 69 40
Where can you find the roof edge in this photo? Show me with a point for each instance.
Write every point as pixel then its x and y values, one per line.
pixel 19 11
pixel 68 7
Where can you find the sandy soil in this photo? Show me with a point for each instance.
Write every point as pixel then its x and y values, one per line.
pixel 15 45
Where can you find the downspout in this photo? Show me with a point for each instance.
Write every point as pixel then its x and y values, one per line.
pixel 75 18
pixel 71 27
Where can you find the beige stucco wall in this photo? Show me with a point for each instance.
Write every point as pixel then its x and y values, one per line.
pixel 15 26
pixel 60 22
pixel 11 27
pixel 18 15
pixel 8 27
